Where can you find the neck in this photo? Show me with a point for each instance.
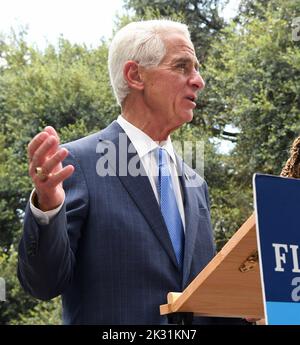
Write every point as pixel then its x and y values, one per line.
pixel 144 119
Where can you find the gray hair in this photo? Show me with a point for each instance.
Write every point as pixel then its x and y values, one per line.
pixel 142 42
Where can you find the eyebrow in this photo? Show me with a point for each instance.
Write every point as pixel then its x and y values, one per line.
pixel 187 60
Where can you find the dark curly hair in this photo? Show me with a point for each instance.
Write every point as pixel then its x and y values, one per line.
pixel 292 166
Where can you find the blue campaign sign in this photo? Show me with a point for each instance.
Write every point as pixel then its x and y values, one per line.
pixel 277 206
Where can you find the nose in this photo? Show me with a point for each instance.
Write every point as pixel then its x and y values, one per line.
pixel 196 81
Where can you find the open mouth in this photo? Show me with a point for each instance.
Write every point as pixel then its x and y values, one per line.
pixel 191 98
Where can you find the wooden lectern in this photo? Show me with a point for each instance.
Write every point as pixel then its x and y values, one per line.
pixel 229 285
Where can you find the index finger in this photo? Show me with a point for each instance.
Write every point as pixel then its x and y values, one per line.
pixel 51 131
pixel 35 143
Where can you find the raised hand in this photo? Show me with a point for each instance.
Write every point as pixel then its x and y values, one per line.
pixel 46 170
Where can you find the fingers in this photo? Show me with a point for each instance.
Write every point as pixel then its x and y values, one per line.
pixel 44 153
pixel 35 143
pixel 38 140
pixel 51 131
pixel 46 170
pixel 50 192
pixel 54 161
pixel 60 176
pixel 45 149
pixel 53 178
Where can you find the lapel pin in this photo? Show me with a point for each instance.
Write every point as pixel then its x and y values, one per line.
pixel 186 176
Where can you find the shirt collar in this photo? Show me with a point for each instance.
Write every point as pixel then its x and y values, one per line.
pixel 142 142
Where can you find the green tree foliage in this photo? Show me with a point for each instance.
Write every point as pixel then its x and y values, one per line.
pixel 252 99
pixel 253 84
pixel 67 87
pixel 19 308
pixel 202 16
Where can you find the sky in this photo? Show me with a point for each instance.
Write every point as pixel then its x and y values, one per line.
pixel 79 21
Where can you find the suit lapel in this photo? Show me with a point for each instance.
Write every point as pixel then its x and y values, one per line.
pixel 139 187
pixel 191 220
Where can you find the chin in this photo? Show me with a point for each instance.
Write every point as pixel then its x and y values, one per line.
pixel 187 116
pixel 181 119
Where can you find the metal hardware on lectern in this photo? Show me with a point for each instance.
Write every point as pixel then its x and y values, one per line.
pixel 250 262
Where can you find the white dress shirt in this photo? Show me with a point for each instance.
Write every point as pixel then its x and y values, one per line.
pixel 146 149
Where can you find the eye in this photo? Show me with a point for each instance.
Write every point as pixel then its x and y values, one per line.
pixel 181 66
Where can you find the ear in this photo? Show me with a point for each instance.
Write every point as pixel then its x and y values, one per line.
pixel 132 75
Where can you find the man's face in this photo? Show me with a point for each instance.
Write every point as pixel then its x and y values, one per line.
pixel 170 89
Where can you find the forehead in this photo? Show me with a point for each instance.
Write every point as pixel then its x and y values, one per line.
pixel 178 45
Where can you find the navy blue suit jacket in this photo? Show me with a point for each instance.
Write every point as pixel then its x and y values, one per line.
pixel 108 251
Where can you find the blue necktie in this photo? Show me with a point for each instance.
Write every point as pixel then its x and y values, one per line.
pixel 169 207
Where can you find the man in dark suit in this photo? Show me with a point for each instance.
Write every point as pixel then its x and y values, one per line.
pixel 116 219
